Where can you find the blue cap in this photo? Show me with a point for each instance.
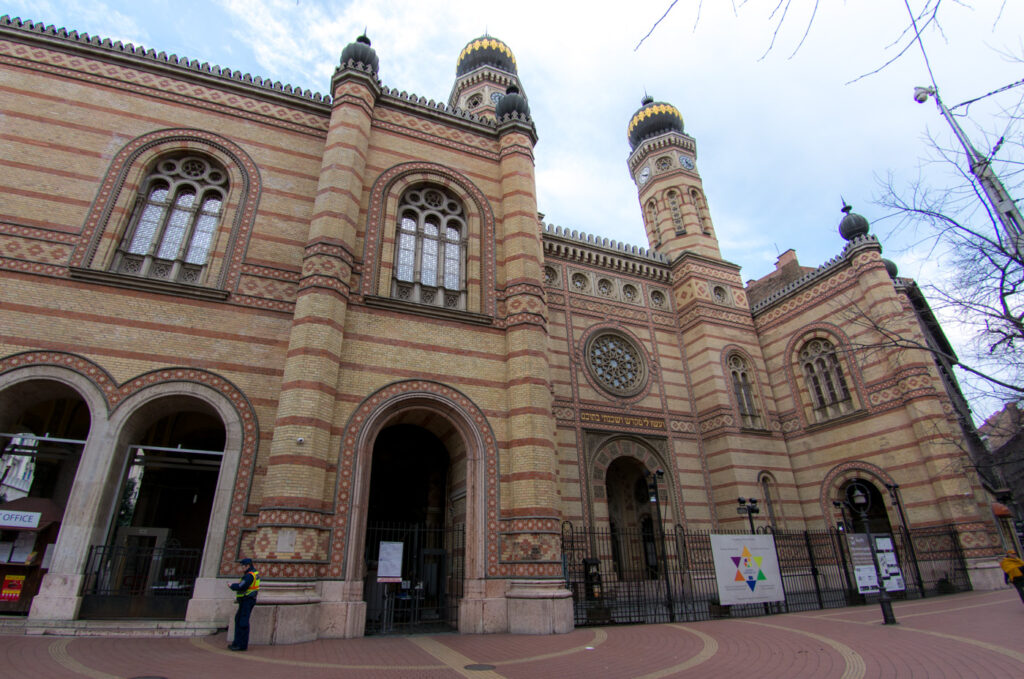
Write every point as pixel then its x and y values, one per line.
pixel 245 562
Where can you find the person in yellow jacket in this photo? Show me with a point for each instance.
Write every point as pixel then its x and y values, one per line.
pixel 246 590
pixel 1013 571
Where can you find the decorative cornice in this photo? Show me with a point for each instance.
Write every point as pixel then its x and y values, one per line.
pixel 150 59
pixel 607 254
pixel 829 267
pixel 658 142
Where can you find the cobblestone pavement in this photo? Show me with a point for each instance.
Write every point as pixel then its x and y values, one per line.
pixel 966 635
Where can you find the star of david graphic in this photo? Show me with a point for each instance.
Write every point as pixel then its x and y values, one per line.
pixel 748 568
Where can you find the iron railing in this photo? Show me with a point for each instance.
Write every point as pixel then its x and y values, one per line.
pixel 133 581
pixel 635 577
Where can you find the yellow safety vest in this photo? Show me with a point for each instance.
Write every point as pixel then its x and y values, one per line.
pixel 253 588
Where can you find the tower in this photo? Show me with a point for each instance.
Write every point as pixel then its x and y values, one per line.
pixel 663 162
pixel 484 72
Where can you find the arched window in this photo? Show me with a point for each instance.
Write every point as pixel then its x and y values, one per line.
pixel 677 214
pixel 768 492
pixel 174 223
pixel 429 247
pixel 702 211
pixel 744 391
pixel 829 395
pixel 652 220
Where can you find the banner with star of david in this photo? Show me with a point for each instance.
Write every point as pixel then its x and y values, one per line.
pixel 747 569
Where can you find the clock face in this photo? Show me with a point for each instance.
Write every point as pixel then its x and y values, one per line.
pixel 645 174
pixel 495 97
pixel 686 161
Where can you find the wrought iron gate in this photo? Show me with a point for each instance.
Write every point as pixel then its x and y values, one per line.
pixel 138 582
pixel 426 599
pixel 644 577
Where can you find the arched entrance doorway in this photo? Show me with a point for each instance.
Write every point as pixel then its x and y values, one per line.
pixel 44 425
pixel 631 520
pixel 166 481
pixel 414 550
pixel 877 516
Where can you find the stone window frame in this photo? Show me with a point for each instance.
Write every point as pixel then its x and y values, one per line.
pixel 674 200
pixel 379 245
pixel 743 381
pixel 111 213
pixel 700 205
pixel 770 500
pixel 654 301
pixel 552 278
pixel 815 376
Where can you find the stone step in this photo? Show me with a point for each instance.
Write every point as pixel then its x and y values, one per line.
pixel 108 628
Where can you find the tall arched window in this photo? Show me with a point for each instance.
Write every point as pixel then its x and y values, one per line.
pixel 429 248
pixel 829 395
pixel 175 220
pixel 702 211
pixel 677 214
pixel 743 389
pixel 652 219
pixel 768 493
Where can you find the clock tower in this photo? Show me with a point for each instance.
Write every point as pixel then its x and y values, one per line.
pixel 663 162
pixel 485 71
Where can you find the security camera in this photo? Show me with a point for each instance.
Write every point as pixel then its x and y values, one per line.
pixel 300 440
pixel 921 94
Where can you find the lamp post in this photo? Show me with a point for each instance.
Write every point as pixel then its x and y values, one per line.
pixel 748 507
pixel 858 499
pixel 981 167
pixel 652 487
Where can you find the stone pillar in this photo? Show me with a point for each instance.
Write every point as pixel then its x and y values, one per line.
pixel 530 530
pixel 303 447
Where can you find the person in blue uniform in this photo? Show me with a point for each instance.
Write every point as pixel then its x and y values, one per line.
pixel 246 590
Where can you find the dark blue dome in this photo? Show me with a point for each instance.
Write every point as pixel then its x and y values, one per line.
pixel 360 51
pixel 512 101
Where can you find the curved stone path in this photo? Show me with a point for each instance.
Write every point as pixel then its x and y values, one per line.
pixel 967 635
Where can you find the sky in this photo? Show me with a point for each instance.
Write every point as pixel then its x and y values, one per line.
pixel 784 130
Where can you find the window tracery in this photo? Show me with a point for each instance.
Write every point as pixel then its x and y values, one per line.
pixel 825 380
pixel 616 364
pixel 174 224
pixel 429 249
pixel 743 389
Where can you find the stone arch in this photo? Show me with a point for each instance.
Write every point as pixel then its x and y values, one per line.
pixel 447 413
pixel 650 458
pixel 382 212
pixel 841 474
pixel 151 392
pixel 109 213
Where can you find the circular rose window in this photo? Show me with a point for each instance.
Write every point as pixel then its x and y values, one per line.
pixel 616 364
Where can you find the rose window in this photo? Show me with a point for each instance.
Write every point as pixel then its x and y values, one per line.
pixel 616 364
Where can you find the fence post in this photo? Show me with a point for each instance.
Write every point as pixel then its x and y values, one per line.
pixel 840 538
pixel 814 569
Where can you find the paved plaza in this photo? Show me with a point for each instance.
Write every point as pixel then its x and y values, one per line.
pixel 966 635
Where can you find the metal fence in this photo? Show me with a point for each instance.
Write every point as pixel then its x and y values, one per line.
pixel 648 577
pixel 139 582
pixel 426 596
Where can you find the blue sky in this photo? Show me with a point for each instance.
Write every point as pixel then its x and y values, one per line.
pixel 779 138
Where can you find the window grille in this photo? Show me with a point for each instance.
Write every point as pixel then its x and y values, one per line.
pixel 825 381
pixel 429 251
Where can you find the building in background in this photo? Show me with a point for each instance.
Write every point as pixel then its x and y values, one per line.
pixel 333 334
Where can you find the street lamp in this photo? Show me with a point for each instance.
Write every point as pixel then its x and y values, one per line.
pixel 748 507
pixel 652 487
pixel 999 200
pixel 858 499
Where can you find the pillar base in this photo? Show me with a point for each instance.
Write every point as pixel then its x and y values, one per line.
pixel 985 574
pixel 539 607
pixel 58 598
pixel 342 611
pixel 285 613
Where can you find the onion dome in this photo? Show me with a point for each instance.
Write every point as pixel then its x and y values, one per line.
pixel 360 51
pixel 891 268
pixel 485 50
pixel 512 101
pixel 653 117
pixel 852 225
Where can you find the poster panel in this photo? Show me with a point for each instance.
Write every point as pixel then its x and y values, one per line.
pixel 11 589
pixel 389 562
pixel 747 569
